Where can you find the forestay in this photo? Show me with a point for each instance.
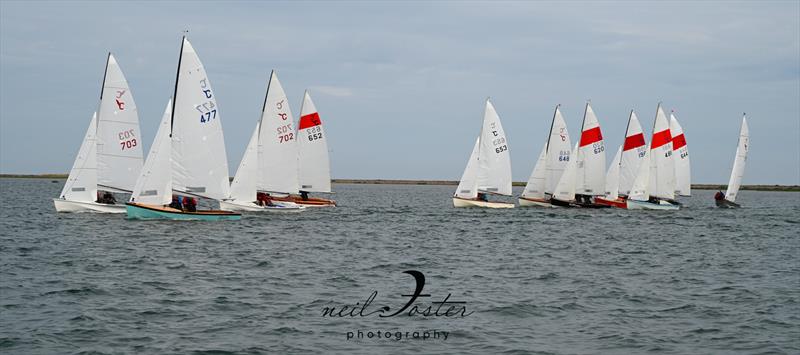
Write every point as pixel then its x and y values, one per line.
pixel 680 153
pixel 277 148
pixel 739 162
pixel 591 164
pixel 314 164
pixel 200 165
pixel 119 143
pixel 81 183
pixel 154 185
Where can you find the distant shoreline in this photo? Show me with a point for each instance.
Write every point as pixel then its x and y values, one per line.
pixel 795 188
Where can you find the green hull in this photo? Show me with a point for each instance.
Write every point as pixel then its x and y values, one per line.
pixel 137 212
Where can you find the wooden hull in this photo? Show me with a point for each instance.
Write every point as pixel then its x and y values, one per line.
pixel 310 202
pixel 94 207
pixel 252 207
pixel 726 204
pixel 462 202
pixel 618 203
pixel 534 202
pixel 646 205
pixel 142 211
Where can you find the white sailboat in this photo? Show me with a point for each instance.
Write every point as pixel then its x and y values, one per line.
pixel 198 166
pixel 550 166
pixel 110 157
pixel 632 153
pixel 680 153
pixel 488 170
pixel 654 186
pixel 564 193
pixel 314 170
pixel 729 198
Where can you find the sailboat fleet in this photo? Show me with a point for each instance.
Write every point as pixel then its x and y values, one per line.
pixel 283 162
pixel 187 159
pixel 641 176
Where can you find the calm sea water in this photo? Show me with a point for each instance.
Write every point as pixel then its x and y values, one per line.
pixel 699 280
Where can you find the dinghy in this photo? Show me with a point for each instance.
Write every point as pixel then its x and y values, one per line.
pixel 188 154
pixel 654 186
pixel 590 179
pixel 488 170
pixel 633 151
pixel 244 194
pixel 110 156
pixel 314 165
pixel 564 194
pixel 550 166
pixel 728 199
pixel 680 154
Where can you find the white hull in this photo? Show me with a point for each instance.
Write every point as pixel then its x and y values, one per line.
pixel 523 202
pixel 77 206
pixel 252 207
pixel 460 202
pixel 645 205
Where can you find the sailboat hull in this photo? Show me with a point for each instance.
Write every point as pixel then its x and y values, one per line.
pixel 77 206
pixel 310 202
pixel 252 207
pixel 534 202
pixel 618 203
pixel 727 204
pixel 142 211
pixel 462 202
pixel 646 205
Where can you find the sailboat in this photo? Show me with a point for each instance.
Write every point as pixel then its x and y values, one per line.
pixel 654 186
pixel 622 171
pixel 488 170
pixel 550 166
pixel 729 198
pixel 188 153
pixel 314 170
pixel 590 164
pixel 260 150
pixel 110 156
pixel 680 154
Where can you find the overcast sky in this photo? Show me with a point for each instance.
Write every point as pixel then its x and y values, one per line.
pixel 400 86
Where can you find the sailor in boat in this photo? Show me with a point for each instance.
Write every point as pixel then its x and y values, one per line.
pixel 106 198
pixel 719 196
pixel 190 203
pixel 482 197
pixel 304 195
pixel 176 202
pixel 263 199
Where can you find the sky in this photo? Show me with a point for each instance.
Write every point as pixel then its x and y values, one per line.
pixel 400 86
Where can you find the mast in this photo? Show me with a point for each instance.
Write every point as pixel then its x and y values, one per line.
pixel 175 93
pixel 266 95
pixel 547 147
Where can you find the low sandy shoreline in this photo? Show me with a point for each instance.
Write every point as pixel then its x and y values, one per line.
pixel 443 182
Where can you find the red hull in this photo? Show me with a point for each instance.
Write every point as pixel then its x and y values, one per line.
pixel 618 203
pixel 311 201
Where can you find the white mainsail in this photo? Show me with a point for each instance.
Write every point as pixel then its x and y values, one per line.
pixel 558 151
pixel 154 185
pixel 591 164
pixel 633 152
pixel 662 169
pixel 119 142
pixel 680 151
pixel 277 148
pixel 565 190
pixel 612 177
pixel 468 185
pixel 314 163
pixel 244 184
pixel 200 165
pixel 81 183
pixel 535 188
pixel 640 188
pixel 494 175
pixel 739 162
